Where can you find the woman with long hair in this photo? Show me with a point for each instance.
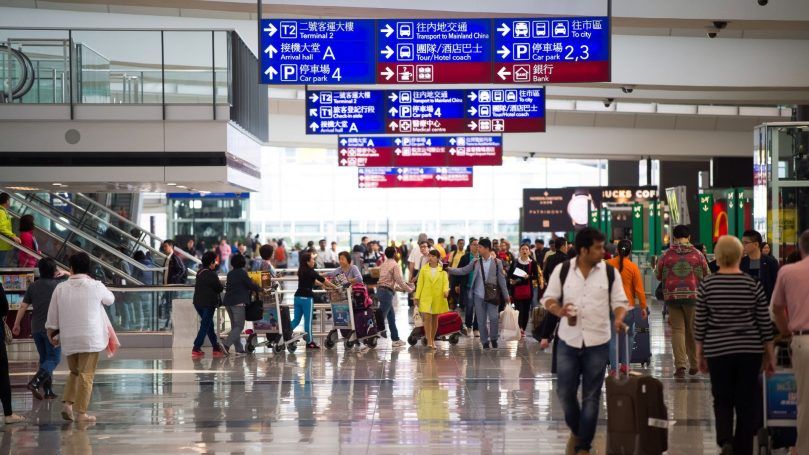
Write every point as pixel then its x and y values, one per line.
pixel 632 281
pixel 431 295
pixel 27 239
pixel 308 278
pixel 521 282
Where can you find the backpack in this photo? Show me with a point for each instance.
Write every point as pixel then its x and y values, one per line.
pixel 566 269
pixel 359 296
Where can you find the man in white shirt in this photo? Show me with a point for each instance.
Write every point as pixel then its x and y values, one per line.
pixel 583 303
pixel 326 258
pixel 76 315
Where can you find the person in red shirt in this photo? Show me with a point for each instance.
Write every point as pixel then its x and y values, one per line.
pixel 27 239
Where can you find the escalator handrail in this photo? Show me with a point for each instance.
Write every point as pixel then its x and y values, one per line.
pixel 76 248
pixel 109 225
pixel 91 239
pixel 184 254
pixel 32 253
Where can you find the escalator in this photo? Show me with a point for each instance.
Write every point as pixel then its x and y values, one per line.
pixel 58 238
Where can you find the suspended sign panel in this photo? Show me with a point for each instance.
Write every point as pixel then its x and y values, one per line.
pixel 420 151
pixel 410 177
pixel 435 51
pixel 425 111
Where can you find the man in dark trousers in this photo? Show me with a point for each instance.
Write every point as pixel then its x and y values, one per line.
pixel 177 273
pixel 762 267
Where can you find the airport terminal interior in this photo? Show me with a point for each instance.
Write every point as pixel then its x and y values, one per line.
pixel 404 227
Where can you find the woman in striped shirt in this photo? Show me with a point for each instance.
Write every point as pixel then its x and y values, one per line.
pixel 734 342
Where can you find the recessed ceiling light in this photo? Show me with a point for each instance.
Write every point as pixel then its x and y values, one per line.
pixel 171 184
pixel 23 188
pixel 182 186
pixel 57 184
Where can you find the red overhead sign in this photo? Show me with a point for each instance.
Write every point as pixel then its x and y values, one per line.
pixel 420 151
pixel 415 177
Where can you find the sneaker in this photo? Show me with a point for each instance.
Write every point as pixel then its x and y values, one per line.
pixel 312 345
pixel 218 354
pixel 398 344
pixel 494 344
pixel 485 345
pixel 14 418
pixel 624 368
pixel 477 333
pixel 693 371
pixel 197 354
pixel 679 373
pixel 240 354
pixel 612 373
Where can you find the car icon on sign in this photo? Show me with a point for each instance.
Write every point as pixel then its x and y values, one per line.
pixel 560 29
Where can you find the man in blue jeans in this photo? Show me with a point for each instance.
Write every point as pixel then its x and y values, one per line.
pixel 488 271
pixel 390 279
pixel 463 288
pixel 584 304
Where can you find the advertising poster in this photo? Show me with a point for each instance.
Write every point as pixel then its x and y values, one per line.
pixel 341 315
pixel 782 396
pixel 270 322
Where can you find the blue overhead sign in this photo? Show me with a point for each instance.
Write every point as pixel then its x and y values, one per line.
pixel 317 51
pixel 508 110
pixel 435 51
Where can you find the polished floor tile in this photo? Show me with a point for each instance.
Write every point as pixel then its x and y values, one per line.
pixel 458 400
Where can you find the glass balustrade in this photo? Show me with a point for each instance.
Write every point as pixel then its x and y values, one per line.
pixel 145 309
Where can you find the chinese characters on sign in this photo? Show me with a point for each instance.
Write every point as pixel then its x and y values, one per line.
pixel 415 177
pixel 420 151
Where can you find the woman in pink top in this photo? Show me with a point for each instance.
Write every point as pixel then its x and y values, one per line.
pixel 27 239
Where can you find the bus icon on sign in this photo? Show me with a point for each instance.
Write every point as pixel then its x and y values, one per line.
pixel 541 29
pixel 404 30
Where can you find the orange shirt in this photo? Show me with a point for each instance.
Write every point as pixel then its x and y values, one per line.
pixel 631 279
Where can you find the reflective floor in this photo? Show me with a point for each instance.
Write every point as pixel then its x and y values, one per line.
pixel 458 400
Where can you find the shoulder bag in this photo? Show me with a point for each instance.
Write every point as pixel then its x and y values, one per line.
pixel 490 290
pixel 523 291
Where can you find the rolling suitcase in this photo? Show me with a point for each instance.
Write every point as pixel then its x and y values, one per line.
pixel 637 418
pixel 449 323
pixel 642 350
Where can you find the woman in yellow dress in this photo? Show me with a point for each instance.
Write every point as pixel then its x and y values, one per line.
pixel 432 290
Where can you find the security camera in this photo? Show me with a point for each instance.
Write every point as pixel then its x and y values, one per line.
pixel 763 2
pixel 608 102
pixel 532 154
pixel 720 25
pixel 711 34
pixel 627 89
pixel 525 158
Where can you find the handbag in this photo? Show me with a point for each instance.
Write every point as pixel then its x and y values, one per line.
pixel 9 337
pixel 255 309
pixel 490 290
pixel 523 291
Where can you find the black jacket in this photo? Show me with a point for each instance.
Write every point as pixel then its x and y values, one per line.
pixel 208 289
pixel 178 273
pixel 3 302
pixel 553 261
pixel 238 289
pixel 766 274
pixel 461 280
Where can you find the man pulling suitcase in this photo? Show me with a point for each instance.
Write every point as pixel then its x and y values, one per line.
pixel 584 333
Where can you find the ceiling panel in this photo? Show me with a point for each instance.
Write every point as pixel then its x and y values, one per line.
pixel 657 121
pixel 615 120
pixel 575 118
pixel 695 123
pixel 737 123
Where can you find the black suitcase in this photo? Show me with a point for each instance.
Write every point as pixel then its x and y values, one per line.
pixel 637 418
pixel 642 350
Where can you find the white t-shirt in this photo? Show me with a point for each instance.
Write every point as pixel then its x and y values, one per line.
pixel 416 258
pixel 76 311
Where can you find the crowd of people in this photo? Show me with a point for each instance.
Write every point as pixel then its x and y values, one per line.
pixel 727 316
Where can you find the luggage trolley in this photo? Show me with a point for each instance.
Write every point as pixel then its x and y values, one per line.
pixel 275 325
pixel 346 325
pixel 780 395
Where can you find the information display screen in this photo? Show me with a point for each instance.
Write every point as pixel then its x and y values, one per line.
pixel 435 51
pixel 420 151
pixel 512 110
pixel 415 177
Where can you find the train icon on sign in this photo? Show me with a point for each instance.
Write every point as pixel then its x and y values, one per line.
pixel 541 29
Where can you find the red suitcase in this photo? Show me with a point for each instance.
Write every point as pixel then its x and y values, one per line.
pixel 449 328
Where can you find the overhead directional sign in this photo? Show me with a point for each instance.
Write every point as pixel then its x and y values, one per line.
pixel 415 177
pixel 446 51
pixel 511 110
pixel 550 50
pixel 435 51
pixel 420 151
pixel 333 51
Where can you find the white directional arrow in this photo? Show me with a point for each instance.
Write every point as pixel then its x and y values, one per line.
pixel 388 30
pixel 472 111
pixel 343 161
pixel 388 73
pixel 343 152
pixel 503 51
pixel 314 126
pixel 393 111
pixel 398 151
pixel 451 151
pixel 452 141
pixel 387 52
pixel 393 97
pixel 270 50
pixel 271 72
pixel 473 126
pixel 503 73
pixel 503 29
pixel 315 98
pixel 343 142
pixel 270 29
pixel 398 141
pixel 393 126
pixel 472 96
pixel 313 112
